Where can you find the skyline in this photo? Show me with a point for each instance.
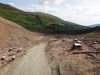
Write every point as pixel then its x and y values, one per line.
pixel 78 11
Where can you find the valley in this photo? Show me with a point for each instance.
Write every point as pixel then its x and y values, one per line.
pixel 36 43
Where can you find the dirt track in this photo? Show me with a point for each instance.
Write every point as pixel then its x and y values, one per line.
pixel 33 63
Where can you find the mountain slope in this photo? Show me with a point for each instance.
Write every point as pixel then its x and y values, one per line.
pixel 40 22
pixel 12 34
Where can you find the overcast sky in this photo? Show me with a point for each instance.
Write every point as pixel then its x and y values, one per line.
pixel 84 12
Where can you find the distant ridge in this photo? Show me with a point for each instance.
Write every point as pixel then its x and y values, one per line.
pixel 95 25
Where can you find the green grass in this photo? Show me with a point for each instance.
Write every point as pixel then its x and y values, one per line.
pixel 88 34
pixel 39 22
pixel 57 68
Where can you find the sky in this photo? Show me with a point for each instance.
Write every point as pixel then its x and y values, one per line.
pixel 84 12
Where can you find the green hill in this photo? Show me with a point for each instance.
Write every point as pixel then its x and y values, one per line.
pixel 39 22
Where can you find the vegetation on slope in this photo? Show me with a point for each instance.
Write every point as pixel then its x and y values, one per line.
pixel 39 22
pixel 95 29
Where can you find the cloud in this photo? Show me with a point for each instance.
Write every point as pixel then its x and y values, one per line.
pixel 12 4
pixel 57 2
pixel 41 8
pixel 44 2
pixel 73 13
pixel 83 12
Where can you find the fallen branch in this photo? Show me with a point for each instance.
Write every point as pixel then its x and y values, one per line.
pixel 85 52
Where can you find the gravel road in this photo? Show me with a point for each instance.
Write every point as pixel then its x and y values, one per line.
pixel 33 63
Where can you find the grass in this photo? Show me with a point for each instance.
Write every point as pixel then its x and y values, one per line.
pixel 57 68
pixel 88 34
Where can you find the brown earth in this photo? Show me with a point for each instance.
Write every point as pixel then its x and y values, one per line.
pixel 14 37
pixel 32 63
pixel 12 34
pixel 64 62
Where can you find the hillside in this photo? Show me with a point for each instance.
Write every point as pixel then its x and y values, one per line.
pixel 93 29
pixel 12 34
pixel 39 22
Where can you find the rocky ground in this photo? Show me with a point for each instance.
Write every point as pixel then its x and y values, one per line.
pixel 65 60
pixel 32 63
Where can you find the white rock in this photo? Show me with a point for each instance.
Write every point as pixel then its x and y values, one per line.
pixel 77 44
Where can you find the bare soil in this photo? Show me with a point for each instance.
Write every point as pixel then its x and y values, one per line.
pixel 12 34
pixel 33 63
pixel 64 62
pixel 14 37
